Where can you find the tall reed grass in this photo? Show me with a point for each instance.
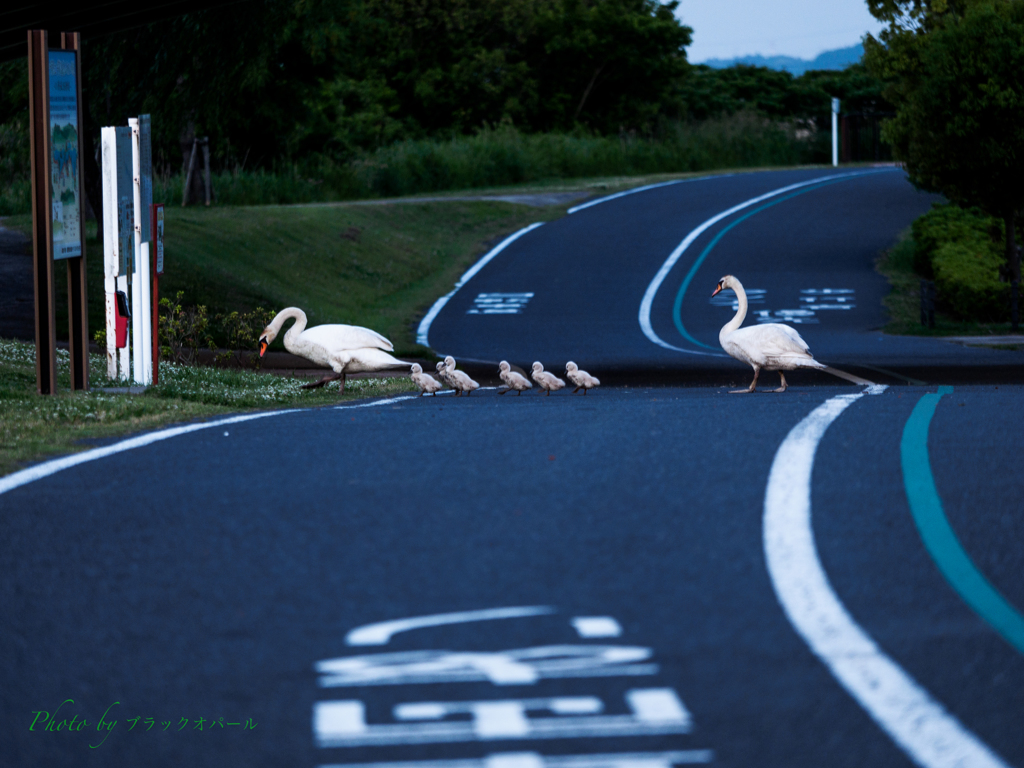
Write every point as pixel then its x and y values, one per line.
pixel 491 158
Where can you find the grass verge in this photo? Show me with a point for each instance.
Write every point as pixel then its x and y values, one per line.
pixel 904 300
pixel 34 427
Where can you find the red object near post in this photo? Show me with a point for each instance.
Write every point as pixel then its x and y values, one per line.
pixel 123 316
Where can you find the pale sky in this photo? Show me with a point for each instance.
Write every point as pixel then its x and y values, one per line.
pixel 723 29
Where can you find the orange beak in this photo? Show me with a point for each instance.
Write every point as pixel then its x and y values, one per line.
pixel 717 290
pixel 263 347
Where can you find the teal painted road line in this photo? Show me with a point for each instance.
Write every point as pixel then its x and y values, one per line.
pixel 939 538
pixel 677 306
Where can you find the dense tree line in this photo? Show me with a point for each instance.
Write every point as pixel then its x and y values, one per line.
pixel 281 82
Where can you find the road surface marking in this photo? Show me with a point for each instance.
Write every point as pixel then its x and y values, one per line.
pixel 47 468
pixel 677 305
pixel 518 666
pixel 423 331
pixel 597 626
pixel 382 632
pixel 919 725
pixel 617 195
pixel 499 303
pixel 670 262
pixel 654 712
pixel 938 535
pixel 536 760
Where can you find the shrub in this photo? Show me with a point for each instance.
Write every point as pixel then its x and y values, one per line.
pixel 961 249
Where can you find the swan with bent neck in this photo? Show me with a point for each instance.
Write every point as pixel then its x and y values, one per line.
pixel 343 348
pixel 771 346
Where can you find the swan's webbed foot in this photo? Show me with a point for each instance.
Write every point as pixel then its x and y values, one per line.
pixel 783 387
pixel 751 388
pixel 578 389
pixel 504 391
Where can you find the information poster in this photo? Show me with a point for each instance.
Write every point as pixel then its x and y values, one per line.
pixel 65 185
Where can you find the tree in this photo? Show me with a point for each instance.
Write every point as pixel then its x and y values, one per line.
pixel 956 71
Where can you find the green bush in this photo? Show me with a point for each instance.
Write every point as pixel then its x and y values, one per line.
pixel 961 249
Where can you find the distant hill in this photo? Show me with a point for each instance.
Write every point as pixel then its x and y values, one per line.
pixel 840 58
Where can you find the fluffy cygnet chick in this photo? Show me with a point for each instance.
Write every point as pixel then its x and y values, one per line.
pixel 459 380
pixel 442 373
pixel 581 379
pixel 427 383
pixel 512 380
pixel 546 381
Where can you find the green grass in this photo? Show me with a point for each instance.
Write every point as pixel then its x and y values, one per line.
pixel 904 300
pixel 34 427
pixel 379 266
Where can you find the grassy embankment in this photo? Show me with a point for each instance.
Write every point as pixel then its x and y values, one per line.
pixel 904 300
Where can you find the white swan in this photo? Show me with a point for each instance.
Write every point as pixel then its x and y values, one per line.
pixel 547 381
pixel 426 382
pixel 442 373
pixel 460 381
pixel 581 379
pixel 512 379
pixel 343 348
pixel 771 346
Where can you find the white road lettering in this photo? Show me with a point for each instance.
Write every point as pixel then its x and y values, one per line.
pixel 597 626
pixel 522 666
pixel 499 303
pixel 656 711
pixel 536 760
pixel 382 632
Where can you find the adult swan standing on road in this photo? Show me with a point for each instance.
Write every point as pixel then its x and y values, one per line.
pixel 343 348
pixel 772 346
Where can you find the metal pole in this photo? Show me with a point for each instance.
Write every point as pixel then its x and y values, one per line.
pixel 42 224
pixel 188 176
pixel 206 166
pixel 835 133
pixel 78 300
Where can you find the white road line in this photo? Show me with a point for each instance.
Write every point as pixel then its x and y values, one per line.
pixel 424 328
pixel 617 195
pixel 47 468
pixel 659 278
pixel 919 725
pixel 382 632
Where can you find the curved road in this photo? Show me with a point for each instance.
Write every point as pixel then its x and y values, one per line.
pixel 646 576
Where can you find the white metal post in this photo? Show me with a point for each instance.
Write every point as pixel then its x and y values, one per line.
pixel 140 267
pixel 117 241
pixel 835 133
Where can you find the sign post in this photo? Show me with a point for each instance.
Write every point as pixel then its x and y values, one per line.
pixel 55 115
pixel 835 133
pixel 118 239
pixel 157 232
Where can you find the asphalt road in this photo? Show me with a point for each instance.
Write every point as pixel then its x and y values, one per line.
pixel 644 576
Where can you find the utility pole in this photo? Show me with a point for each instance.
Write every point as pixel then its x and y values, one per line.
pixel 835 133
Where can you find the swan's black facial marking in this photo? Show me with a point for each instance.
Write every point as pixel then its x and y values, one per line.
pixel 718 289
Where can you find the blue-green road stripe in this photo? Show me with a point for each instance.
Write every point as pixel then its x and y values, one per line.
pixel 939 538
pixel 677 306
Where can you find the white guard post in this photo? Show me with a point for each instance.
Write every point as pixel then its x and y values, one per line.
pixel 142 174
pixel 118 243
pixel 835 133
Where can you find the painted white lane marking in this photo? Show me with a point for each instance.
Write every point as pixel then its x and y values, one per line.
pixel 499 303
pixel 520 666
pixel 644 188
pixel 659 278
pixel 536 760
pixel 423 331
pixel 47 468
pixel 654 712
pixel 597 626
pixel 382 632
pixel 918 724
pixel 53 466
